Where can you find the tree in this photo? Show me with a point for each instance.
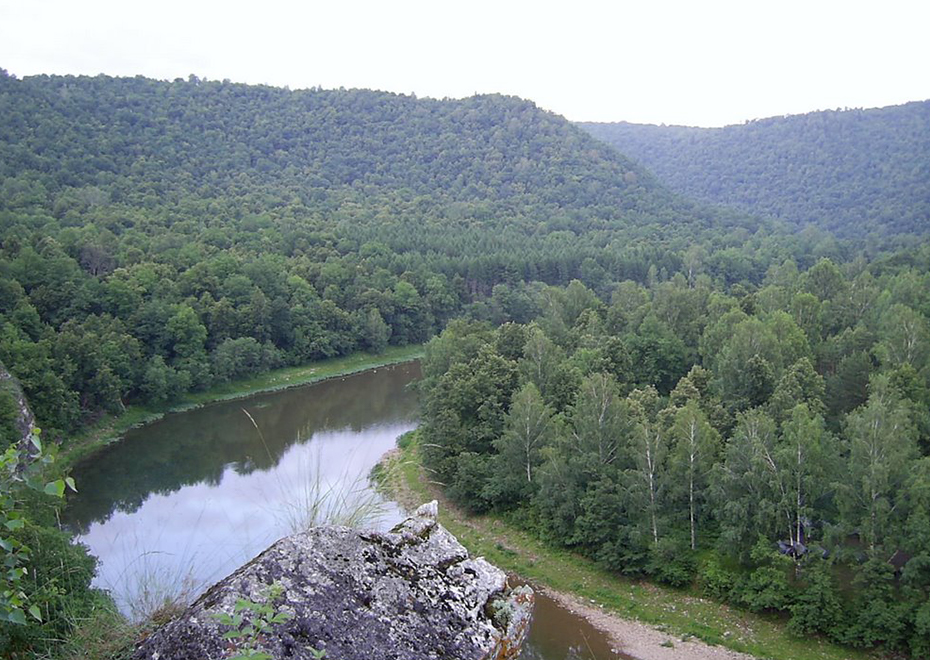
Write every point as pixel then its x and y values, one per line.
pixel 746 491
pixel 160 382
pixel 466 410
pixel 544 364
pixel 799 384
pixel 186 333
pixel 806 456
pixel 880 443
pixel 375 332
pixel 657 355
pixel 529 427
pixel 648 447
pixel 600 420
pixel 905 338
pixel 824 280
pixel 235 358
pixel 694 452
pixel 817 608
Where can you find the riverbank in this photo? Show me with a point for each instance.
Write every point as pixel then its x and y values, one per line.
pixel 648 622
pixel 111 428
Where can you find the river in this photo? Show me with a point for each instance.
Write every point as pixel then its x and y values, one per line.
pixel 181 503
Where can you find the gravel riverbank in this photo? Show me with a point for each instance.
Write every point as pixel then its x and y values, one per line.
pixel 639 640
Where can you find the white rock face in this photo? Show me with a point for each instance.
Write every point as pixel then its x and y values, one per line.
pixel 408 594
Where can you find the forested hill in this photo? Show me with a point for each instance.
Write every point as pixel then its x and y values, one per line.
pixel 430 164
pixel 160 237
pixel 853 172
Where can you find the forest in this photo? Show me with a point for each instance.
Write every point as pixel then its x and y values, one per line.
pixel 159 238
pixel 853 172
pixel 771 446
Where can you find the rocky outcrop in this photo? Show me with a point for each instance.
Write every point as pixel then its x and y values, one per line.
pixel 25 421
pixel 409 594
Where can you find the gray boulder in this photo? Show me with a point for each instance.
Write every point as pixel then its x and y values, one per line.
pixel 409 594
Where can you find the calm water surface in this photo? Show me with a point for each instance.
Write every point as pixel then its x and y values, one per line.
pixel 558 634
pixel 181 503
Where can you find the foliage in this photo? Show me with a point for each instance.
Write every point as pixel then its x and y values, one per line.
pixel 21 468
pixel 747 489
pixel 669 379
pixel 160 238
pixel 853 172
pixel 250 621
pixel 45 585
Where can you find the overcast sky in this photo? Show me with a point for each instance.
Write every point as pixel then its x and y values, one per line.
pixel 700 62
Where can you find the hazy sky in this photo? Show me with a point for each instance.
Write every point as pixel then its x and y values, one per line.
pixel 700 62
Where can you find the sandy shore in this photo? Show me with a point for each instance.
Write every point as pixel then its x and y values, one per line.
pixel 639 640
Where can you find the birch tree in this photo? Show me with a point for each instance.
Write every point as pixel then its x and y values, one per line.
pixel 529 427
pixel 881 443
pixel 806 455
pixel 600 420
pixel 647 447
pixel 905 338
pixel 747 495
pixel 696 445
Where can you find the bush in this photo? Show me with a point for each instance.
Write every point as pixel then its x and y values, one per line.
pixel 471 475
pixel 816 607
pixel 406 439
pixel 58 583
pixel 715 580
pixel 767 587
pixel 672 562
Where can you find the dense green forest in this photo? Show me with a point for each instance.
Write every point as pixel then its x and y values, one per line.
pixel 771 446
pixel 159 238
pixel 852 172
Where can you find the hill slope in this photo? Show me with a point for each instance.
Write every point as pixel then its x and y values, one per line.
pixel 852 172
pixel 157 237
pixel 144 143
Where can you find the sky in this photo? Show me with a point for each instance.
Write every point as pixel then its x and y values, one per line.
pixel 698 62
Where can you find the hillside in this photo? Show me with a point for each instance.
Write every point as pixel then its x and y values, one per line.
pixel 161 237
pixel 403 169
pixel 852 172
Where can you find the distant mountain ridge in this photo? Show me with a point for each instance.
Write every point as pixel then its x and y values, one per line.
pixel 495 154
pixel 852 172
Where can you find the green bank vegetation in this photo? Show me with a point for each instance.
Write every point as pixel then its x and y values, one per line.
pixel 684 612
pixel 772 446
pixel 112 427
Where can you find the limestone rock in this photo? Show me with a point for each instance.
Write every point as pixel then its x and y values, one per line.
pixel 409 594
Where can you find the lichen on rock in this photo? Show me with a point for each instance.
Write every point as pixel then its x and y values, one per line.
pixel 412 593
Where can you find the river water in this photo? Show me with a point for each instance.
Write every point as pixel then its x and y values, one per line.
pixel 181 503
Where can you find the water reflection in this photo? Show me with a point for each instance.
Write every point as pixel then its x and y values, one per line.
pixel 559 634
pixel 183 502
pixel 179 504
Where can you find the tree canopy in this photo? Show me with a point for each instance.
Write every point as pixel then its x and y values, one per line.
pixel 853 172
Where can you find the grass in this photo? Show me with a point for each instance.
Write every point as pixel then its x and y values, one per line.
pixel 679 612
pixel 349 501
pixel 112 427
pixel 101 634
